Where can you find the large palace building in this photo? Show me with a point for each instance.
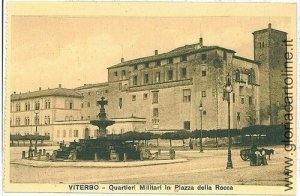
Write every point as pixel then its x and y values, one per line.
pixel 163 92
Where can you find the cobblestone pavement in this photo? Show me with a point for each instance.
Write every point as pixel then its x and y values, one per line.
pixel 202 168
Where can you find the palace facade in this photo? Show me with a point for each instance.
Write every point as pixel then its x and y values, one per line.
pixel 163 92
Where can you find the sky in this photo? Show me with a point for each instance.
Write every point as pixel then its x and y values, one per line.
pixel 72 51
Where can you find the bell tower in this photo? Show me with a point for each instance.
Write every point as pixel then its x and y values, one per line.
pixel 269 51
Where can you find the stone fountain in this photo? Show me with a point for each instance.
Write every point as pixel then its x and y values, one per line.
pixel 102 123
pixel 104 147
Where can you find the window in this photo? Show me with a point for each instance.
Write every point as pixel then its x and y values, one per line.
pixel 147 65
pixel 263 44
pixel 155 112
pixel 145 96
pixel 71 105
pixel 183 58
pixel 170 74
pixel 18 121
pixel 238 75
pixel 155 97
pixel 88 104
pixel 106 91
pixel 47 120
pixel 27 121
pixel 81 117
pixel 157 77
pixel 203 73
pixel 250 100
pixel 37 105
pixel 170 60
pixel 88 117
pixel 135 80
pixel 18 107
pixel 238 116
pixel 120 102
pixel 146 78
pixel 47 104
pixel 27 106
pixel 204 57
pixel 123 73
pixel 37 120
pixel 186 125
pixel 135 67
pixel 75 133
pixel 116 73
pixel 187 95
pixel 133 97
pixel 233 97
pixel 89 93
pixel 82 105
pixel 183 72
pixel 203 94
pixel 242 100
pixel 157 63
pixel 250 77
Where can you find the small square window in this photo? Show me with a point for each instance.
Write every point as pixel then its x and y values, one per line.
pixel 186 125
pixel 170 60
pixel 242 100
pixel 158 63
pixel 184 58
pixel 106 91
pixel 203 94
pixel 145 96
pixel 89 93
pixel 135 67
pixel 155 112
pixel 203 73
pixel 116 73
pixel 123 72
pixel 204 57
pixel 146 65
pixel 133 97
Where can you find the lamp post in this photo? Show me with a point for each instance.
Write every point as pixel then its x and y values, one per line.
pixel 36 111
pixel 228 90
pixel 201 112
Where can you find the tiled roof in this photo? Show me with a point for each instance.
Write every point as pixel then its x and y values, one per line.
pixel 44 93
pixel 187 49
pixel 264 30
pixel 91 85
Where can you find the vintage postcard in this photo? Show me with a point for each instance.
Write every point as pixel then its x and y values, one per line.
pixel 160 98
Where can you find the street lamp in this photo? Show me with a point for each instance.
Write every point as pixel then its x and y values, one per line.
pixel 201 112
pixel 36 111
pixel 228 90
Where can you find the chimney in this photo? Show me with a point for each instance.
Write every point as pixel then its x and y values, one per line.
pixel 59 85
pixel 40 88
pixel 122 60
pixel 269 26
pixel 201 41
pixel 155 52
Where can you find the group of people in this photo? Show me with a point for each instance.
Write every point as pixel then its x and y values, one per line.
pixel 257 157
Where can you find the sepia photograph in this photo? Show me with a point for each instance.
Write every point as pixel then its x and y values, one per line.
pixel 122 98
